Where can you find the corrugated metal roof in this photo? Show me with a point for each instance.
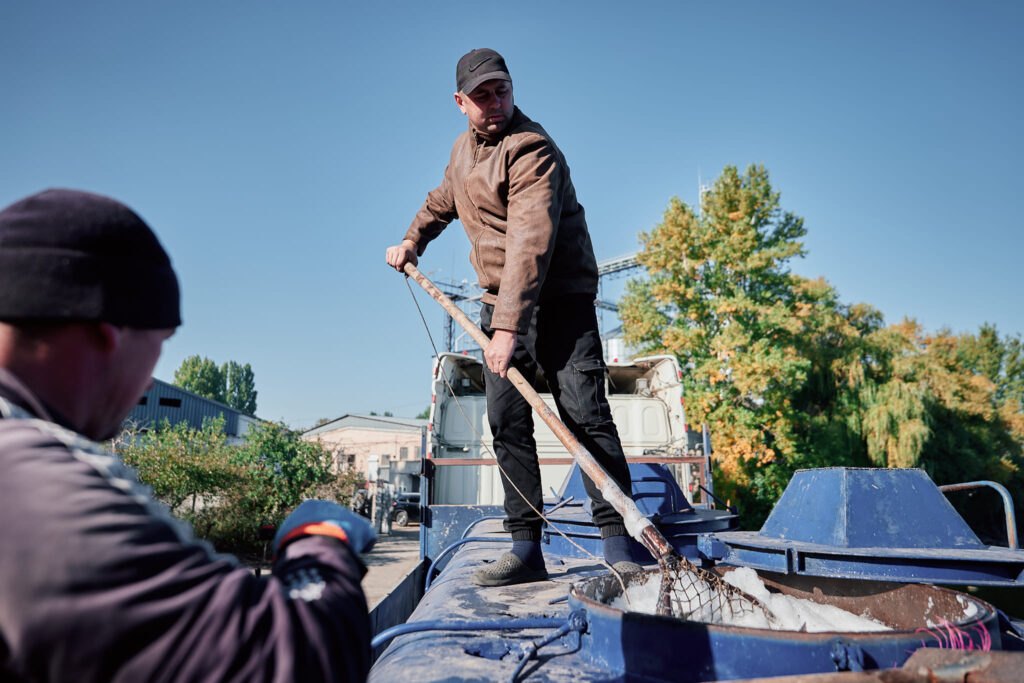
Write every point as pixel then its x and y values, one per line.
pixel 165 401
pixel 391 424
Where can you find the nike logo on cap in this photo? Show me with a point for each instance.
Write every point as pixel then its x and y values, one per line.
pixel 474 67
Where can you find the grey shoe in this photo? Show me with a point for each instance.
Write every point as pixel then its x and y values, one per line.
pixel 627 567
pixel 507 571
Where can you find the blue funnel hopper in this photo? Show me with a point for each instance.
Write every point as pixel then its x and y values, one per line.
pixel 657 495
pixel 867 508
pixel 881 524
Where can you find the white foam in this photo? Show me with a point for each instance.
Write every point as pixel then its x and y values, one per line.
pixel 970 607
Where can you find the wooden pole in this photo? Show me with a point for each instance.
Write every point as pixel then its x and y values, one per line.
pixel 638 526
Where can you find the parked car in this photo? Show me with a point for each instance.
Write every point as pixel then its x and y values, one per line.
pixel 405 508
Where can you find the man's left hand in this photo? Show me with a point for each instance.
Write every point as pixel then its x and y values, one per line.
pixel 499 352
pixel 316 517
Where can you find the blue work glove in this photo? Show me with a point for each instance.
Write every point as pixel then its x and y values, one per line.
pixel 324 518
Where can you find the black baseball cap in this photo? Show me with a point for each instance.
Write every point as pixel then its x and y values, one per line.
pixel 479 66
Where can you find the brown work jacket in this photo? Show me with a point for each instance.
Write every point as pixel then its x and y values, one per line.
pixel 516 201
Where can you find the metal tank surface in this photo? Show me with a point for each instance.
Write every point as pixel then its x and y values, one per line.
pixel 564 629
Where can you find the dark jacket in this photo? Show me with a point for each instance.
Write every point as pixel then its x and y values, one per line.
pixel 99 583
pixel 516 201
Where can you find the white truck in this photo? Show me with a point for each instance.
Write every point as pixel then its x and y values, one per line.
pixel 646 399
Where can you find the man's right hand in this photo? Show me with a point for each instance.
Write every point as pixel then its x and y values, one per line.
pixel 400 254
pixel 498 353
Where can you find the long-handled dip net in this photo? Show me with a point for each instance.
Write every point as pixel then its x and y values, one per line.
pixel 686 591
pixel 689 592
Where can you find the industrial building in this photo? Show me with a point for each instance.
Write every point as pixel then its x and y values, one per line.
pixel 165 401
pixel 386 449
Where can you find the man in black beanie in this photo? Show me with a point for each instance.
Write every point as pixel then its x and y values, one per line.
pixel 87 298
pixel 97 581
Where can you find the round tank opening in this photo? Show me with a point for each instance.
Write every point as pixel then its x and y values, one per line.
pixel 793 603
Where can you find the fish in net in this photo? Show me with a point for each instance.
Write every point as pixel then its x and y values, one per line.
pixel 695 594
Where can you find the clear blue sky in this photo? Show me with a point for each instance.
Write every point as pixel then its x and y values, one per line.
pixel 278 148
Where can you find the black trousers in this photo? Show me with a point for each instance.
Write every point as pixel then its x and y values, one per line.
pixel 563 340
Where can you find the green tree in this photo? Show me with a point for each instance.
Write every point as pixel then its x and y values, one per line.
pixel 239 387
pixel 231 383
pixel 720 297
pixel 180 463
pixel 283 469
pixel 201 376
pixel 1000 360
pixel 788 376
pixel 425 415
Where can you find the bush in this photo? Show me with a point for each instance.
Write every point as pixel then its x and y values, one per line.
pixel 227 492
pixel 181 464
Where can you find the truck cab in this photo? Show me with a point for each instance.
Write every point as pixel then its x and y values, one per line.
pixel 646 399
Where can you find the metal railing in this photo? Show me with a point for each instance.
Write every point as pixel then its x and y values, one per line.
pixel 1011 518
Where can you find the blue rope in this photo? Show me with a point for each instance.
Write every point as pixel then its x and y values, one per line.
pixel 461 541
pixel 560 504
pixel 482 519
pixel 576 622
pixel 487 625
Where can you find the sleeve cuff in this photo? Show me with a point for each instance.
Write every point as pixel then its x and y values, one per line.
pixel 315 529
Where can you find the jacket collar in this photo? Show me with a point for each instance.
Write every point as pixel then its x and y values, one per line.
pixel 518 119
pixel 15 391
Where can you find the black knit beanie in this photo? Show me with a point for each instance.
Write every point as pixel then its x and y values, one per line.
pixel 67 255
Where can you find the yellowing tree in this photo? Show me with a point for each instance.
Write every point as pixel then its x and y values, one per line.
pixel 788 376
pixel 719 295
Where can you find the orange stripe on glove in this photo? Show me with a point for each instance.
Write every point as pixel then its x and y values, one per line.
pixel 314 529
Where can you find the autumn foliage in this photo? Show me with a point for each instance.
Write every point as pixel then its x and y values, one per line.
pixel 788 376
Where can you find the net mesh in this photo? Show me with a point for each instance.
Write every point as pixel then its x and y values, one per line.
pixel 695 594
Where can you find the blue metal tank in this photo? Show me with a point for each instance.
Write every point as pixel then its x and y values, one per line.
pixel 658 648
pixel 868 523
pixel 564 629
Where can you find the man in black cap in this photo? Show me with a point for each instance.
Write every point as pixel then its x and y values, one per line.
pixel 97 581
pixel 509 185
